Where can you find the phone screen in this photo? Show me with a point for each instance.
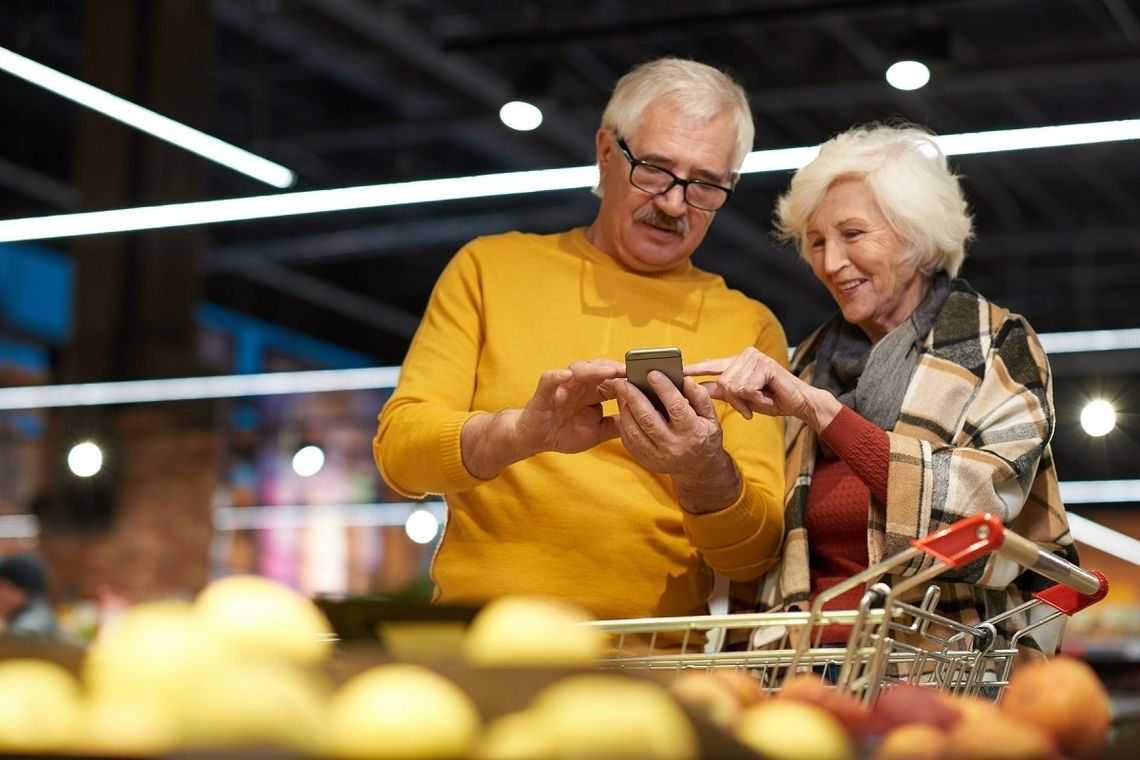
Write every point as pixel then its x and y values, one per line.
pixel 638 363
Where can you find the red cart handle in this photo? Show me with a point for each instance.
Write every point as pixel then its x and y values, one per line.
pixel 979 534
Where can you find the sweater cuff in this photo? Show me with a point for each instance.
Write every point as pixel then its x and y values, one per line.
pixel 742 540
pixel 864 446
pixel 451 451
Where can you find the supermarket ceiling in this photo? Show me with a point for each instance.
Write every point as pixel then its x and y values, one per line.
pixel 358 92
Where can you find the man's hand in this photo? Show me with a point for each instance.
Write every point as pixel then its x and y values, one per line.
pixel 563 415
pixel 565 412
pixel 688 446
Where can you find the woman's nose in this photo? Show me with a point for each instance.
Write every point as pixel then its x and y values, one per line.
pixel 834 257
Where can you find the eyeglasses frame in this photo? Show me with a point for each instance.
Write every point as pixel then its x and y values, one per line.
pixel 684 183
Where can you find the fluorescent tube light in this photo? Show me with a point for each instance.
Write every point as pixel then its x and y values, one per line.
pixel 1104 538
pixel 146 120
pixel 511 183
pixel 1100 491
pixel 190 388
pixel 292 204
pixel 1090 340
pixel 317 381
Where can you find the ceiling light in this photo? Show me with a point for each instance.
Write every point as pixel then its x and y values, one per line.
pixel 487 185
pixel 85 459
pixel 520 115
pixel 1098 418
pixel 422 526
pixel 146 120
pixel 308 460
pixel 908 75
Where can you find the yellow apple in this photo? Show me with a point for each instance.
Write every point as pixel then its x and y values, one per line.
pixel 401 711
pixel 613 716
pixel 261 617
pixel 257 703
pixel 152 652
pixel 791 729
pixel 913 741
pixel 40 704
pixel 117 726
pixel 527 630
pixel 516 736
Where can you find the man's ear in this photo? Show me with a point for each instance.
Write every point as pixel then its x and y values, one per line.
pixel 605 144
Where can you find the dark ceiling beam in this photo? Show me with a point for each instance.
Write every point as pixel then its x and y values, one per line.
pixel 37 186
pixel 338 300
pixel 460 73
pixel 399 238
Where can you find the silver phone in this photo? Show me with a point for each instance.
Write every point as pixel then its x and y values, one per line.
pixel 638 363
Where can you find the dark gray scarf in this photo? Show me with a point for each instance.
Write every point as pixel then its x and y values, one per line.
pixel 872 379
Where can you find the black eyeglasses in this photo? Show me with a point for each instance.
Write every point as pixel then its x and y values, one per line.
pixel 657 180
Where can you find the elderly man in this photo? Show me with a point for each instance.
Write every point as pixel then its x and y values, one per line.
pixel 550 492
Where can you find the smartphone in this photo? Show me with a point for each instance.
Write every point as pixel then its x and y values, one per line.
pixel 639 361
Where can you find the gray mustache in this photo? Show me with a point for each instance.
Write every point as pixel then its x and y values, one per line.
pixel 654 216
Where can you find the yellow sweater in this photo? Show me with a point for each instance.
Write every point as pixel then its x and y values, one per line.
pixel 595 527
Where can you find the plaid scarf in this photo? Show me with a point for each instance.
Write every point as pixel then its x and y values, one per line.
pixel 972 435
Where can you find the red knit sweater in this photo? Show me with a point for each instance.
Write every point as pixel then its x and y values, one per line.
pixel 836 518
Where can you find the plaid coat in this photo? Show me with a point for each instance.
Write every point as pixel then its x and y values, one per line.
pixel 973 436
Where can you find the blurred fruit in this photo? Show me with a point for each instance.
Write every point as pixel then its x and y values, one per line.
pixel 122 727
pixel 261 617
pixel 852 714
pixel 40 704
pixel 400 711
pixel 527 630
pixel 790 729
pixel 913 741
pixel 153 652
pixel 709 696
pixel 1064 697
pixel 604 715
pixel 748 689
pixel 901 703
pixel 515 736
pixel 997 737
pixel 256 703
pixel 970 707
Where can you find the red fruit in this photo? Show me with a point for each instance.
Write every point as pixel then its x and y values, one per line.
pixel 907 703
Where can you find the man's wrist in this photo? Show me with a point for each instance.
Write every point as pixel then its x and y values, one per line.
pixel 710 489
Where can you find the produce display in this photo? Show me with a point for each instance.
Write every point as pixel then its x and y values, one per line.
pixel 251 665
pixel 1053 709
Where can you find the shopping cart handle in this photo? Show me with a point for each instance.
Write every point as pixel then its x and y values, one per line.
pixel 1068 600
pixel 963 541
pixel 977 535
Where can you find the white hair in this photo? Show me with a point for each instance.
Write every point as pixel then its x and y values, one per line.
pixel 697 89
pixel 909 178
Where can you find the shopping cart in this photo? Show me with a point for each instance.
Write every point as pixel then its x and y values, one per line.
pixel 890 640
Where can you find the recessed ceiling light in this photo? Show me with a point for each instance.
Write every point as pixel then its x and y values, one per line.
pixel 908 75
pixel 520 115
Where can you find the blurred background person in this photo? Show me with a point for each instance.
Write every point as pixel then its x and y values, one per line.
pixel 24 606
pixel 918 404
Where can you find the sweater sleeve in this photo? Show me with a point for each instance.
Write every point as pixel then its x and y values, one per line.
pixel 417 445
pixel 864 446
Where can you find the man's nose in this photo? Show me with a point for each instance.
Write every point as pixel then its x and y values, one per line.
pixel 672 201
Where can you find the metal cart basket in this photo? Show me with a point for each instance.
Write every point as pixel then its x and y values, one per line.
pixel 889 641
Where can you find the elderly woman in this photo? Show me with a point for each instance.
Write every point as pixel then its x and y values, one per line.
pixel 918 404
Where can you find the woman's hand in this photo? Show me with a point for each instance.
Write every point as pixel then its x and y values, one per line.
pixel 752 382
